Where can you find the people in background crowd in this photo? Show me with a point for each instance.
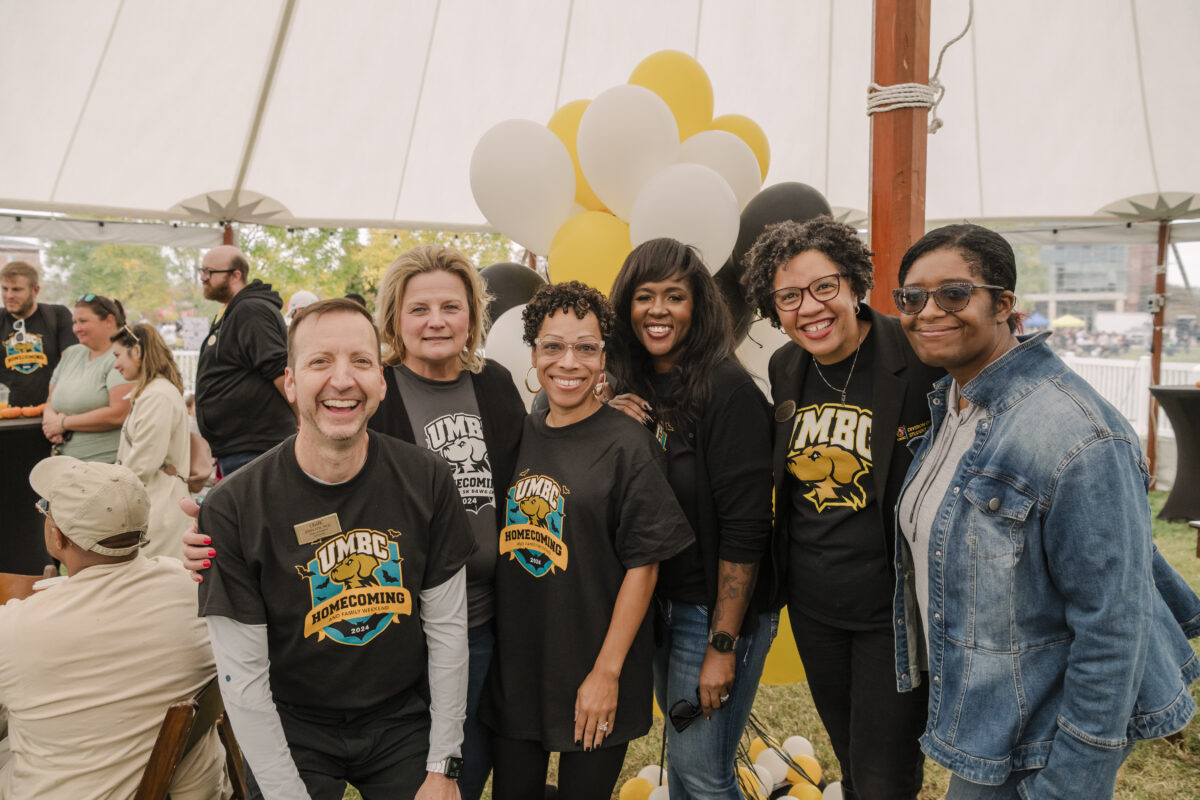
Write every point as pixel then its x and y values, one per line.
pixel 88 667
pixel 849 397
pixel 240 402
pixel 1033 602
pixel 155 440
pixel 88 399
pixel 33 335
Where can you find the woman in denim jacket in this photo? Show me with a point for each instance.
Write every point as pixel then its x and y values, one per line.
pixel 1054 634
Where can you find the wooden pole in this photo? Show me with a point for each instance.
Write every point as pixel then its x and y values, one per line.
pixel 898 143
pixel 227 234
pixel 1156 345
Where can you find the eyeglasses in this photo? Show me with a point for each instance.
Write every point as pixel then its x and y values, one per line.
pixel 205 273
pixel 823 290
pixel 19 332
pixel 43 506
pixel 553 349
pixel 950 297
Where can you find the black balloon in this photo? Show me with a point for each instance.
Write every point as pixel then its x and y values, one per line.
pixel 741 312
pixel 798 202
pixel 511 285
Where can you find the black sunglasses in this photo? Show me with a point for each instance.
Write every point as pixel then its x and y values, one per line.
pixel 950 297
pixel 684 712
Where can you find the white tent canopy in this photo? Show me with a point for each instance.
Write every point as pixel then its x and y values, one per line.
pixel 315 112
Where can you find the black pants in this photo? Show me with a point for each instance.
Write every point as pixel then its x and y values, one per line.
pixel 519 771
pixel 874 728
pixel 381 752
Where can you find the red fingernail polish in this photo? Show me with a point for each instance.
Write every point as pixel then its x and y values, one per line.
pixel 208 540
pixel 212 553
pixel 206 563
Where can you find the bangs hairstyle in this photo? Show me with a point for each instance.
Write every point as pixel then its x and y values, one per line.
pixel 103 307
pixel 321 307
pixel 708 342
pixel 573 296
pixel 780 243
pixel 156 360
pixel 989 257
pixel 418 261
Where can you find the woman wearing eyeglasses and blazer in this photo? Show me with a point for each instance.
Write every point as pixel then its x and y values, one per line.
pixel 848 393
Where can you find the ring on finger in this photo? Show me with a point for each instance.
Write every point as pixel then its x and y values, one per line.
pixel 602 727
pixel 723 698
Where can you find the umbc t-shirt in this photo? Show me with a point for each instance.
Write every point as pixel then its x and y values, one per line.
pixel 588 501
pixel 342 613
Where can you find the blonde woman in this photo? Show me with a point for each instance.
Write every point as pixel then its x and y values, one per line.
pixel 155 439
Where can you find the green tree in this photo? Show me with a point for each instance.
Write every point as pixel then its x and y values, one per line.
pixel 1032 273
pixel 136 275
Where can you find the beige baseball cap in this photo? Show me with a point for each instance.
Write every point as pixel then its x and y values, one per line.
pixel 91 501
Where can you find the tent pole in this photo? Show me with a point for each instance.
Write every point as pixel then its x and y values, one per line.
pixel 227 233
pixel 898 142
pixel 1156 345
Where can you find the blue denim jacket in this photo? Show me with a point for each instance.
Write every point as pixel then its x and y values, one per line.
pixel 1057 633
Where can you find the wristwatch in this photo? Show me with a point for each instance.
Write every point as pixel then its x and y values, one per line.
pixel 450 767
pixel 722 642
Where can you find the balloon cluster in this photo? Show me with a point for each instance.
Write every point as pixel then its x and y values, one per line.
pixel 642 160
pixel 769 769
pixel 650 784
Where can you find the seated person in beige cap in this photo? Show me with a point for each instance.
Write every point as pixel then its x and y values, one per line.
pixel 89 666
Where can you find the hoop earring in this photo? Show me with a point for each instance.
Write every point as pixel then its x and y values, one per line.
pixel 600 386
pixel 856 308
pixel 531 389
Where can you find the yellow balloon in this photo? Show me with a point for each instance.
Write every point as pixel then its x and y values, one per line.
pixel 748 131
pixel 757 745
pixel 679 80
pixel 805 791
pixel 783 665
pixel 810 766
pixel 636 789
pixel 565 125
pixel 589 247
pixel 654 707
pixel 750 784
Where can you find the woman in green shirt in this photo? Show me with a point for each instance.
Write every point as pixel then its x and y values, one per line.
pixel 89 399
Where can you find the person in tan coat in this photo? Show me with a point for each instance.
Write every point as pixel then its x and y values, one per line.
pixel 156 437
pixel 89 666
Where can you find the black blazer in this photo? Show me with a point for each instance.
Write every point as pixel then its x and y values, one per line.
pixel 501 412
pixel 899 411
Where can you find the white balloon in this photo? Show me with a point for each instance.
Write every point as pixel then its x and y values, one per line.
pixel 504 344
pixel 765 778
pixel 755 351
pixel 774 764
pixel 626 135
pixel 832 791
pixel 691 203
pixel 732 159
pixel 660 793
pixel 798 746
pixel 523 181
pixel 653 773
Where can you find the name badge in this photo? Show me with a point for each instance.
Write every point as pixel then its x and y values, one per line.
pixel 785 411
pixel 317 529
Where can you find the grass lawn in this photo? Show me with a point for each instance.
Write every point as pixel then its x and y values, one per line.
pixel 1158 770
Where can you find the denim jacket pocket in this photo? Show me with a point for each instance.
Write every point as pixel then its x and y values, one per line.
pixel 997 521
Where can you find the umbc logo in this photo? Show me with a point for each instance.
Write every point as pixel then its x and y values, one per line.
pixel 533 531
pixel 357 587
pixel 830 453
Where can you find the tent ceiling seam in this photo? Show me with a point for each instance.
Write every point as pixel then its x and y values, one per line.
pixel 264 96
pixel 975 103
pixel 562 58
pixel 699 18
pixel 828 97
pixel 412 129
pixel 1137 50
pixel 87 99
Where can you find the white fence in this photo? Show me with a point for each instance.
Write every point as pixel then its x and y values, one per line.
pixel 1126 384
pixel 186 361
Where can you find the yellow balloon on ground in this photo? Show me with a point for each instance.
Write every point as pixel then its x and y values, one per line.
pixel 757 745
pixel 783 665
pixel 748 131
pixel 811 767
pixel 589 247
pixel 680 81
pixel 565 125
pixel 636 789
pixel 805 791
pixel 751 786
pixel 655 709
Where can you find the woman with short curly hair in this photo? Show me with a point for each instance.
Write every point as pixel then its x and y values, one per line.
pixel 589 516
pixel 849 394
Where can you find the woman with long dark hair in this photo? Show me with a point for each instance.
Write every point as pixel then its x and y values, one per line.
pixel 674 367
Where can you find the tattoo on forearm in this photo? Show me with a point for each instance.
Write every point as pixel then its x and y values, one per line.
pixel 735 584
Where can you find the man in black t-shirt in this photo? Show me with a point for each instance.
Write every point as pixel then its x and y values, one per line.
pixel 337 600
pixel 32 334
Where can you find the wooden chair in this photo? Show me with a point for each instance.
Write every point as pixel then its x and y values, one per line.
pixel 183 726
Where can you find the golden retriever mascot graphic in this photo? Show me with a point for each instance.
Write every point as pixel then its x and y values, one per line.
pixel 830 453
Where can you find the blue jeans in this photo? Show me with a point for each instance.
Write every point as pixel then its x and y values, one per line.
pixel 477 740
pixel 234 461
pixel 700 761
